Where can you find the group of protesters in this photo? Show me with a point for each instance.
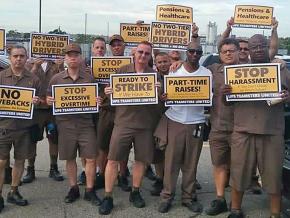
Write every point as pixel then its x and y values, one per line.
pixel 244 136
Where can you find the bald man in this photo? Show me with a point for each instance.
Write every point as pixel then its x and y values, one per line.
pixel 258 139
pixel 182 126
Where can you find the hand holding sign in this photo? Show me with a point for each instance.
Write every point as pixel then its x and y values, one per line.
pixel 285 95
pixel 274 23
pixel 157 85
pixel 50 100
pixel 35 100
pixel 108 90
pixel 226 89
pixel 195 29
pixel 99 100
pixel 230 22
pixel 163 97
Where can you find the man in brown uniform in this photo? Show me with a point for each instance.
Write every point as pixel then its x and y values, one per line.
pixel 76 132
pixel 221 119
pixel 258 139
pixel 45 70
pixel 131 124
pixel 8 169
pixel 16 132
pixel 162 63
pixel 98 50
pixel 106 122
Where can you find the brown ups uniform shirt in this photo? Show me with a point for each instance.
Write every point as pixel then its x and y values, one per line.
pixel 257 117
pixel 221 116
pixel 27 80
pixel 136 116
pixel 45 77
pixel 73 119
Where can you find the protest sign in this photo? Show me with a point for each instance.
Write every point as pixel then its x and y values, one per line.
pixel 253 82
pixel 2 42
pixel 188 90
pixel 103 67
pixel 75 98
pixel 16 102
pixel 170 35
pixel 48 46
pixel 134 89
pixel 253 16
pixel 174 13
pixel 133 34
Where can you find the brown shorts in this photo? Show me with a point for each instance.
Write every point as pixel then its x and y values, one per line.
pixel 21 141
pixel 105 128
pixel 43 117
pixel 267 151
pixel 220 149
pixel 122 140
pixel 73 139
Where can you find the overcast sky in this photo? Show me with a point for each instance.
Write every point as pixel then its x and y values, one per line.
pixel 104 15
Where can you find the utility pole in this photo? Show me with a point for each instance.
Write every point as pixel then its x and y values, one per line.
pixel 39 29
pixel 86 27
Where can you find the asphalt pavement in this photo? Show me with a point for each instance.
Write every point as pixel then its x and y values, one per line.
pixel 46 197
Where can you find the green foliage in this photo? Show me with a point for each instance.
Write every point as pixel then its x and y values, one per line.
pixel 86 39
pixel 284 43
pixel 57 31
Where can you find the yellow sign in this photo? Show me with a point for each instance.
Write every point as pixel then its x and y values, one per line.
pixel 170 35
pixel 253 16
pixel 2 42
pixel 75 98
pixel 253 82
pixel 174 13
pixel 134 89
pixel 48 46
pixel 188 90
pixel 16 102
pixel 103 67
pixel 134 33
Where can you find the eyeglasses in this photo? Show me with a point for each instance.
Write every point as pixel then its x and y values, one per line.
pixel 197 51
pixel 143 52
pixel 244 49
pixel 231 51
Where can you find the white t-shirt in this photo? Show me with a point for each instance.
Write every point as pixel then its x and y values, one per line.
pixel 44 66
pixel 188 114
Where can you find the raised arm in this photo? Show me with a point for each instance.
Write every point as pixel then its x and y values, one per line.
pixel 274 41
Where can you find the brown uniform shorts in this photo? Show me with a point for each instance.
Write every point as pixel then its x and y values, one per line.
pixel 21 141
pixel 122 140
pixel 73 139
pixel 267 151
pixel 105 128
pixel 220 149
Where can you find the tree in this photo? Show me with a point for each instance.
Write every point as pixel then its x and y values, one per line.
pixel 285 43
pixel 13 34
pixel 57 31
pixel 82 38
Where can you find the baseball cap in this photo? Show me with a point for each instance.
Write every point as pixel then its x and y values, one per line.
pixel 73 47
pixel 115 37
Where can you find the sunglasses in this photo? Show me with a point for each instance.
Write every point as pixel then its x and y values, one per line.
pixel 143 52
pixel 197 51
